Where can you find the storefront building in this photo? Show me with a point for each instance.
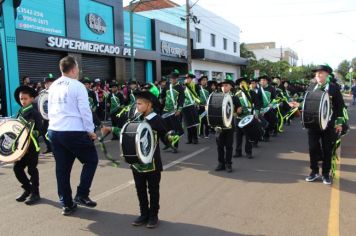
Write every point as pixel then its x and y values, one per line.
pixel 96 32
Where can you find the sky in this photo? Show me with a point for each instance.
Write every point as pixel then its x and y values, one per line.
pixel 320 31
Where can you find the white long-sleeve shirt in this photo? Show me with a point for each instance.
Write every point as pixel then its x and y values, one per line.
pixel 68 106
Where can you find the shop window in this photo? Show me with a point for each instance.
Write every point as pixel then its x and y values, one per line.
pixel 235 47
pixel 218 76
pixel 198 35
pixel 212 37
pixel 225 43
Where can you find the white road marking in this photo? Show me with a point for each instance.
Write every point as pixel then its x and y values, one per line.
pixel 131 182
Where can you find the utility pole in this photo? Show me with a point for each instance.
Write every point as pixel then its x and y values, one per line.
pixel 132 61
pixel 189 45
pixel 281 54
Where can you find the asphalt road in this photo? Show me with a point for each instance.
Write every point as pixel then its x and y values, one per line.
pixel 266 195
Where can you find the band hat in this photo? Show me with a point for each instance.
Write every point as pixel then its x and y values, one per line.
pixel 50 78
pixel 211 82
pixel 228 80
pixel 32 92
pixel 174 74
pixel 202 77
pixel 86 80
pixel 264 77
pixel 190 75
pixel 113 84
pixel 97 80
pixel 239 80
pixel 325 68
pixel 132 82
pixel 147 95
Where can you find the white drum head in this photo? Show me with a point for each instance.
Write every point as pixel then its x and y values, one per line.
pixel 42 104
pixel 305 96
pixel 145 143
pixel 245 121
pixel 9 130
pixel 227 110
pixel 324 111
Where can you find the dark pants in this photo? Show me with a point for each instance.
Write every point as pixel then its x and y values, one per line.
pixel 45 128
pixel 320 148
pixel 225 143
pixel 204 127
pixel 29 160
pixel 151 181
pixel 96 120
pixel 192 133
pixel 239 140
pixel 66 147
pixel 114 123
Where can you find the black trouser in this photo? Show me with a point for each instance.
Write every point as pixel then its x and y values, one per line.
pixel 321 144
pixel 204 127
pixel 45 128
pixel 96 120
pixel 239 140
pixel 29 160
pixel 151 181
pixel 114 123
pixel 192 134
pixel 225 142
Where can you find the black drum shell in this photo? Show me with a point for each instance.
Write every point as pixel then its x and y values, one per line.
pixel 190 116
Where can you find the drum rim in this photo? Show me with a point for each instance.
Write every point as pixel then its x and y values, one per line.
pixel 137 140
pixel 250 117
pixel 227 121
pixel 40 101
pixel 207 110
pixel 324 98
pixel 27 144
pixel 142 126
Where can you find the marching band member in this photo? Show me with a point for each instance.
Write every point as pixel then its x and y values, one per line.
pixel 267 94
pixel 321 142
pixel 93 102
pixel 225 136
pixel 147 176
pixel 115 103
pixel 25 96
pixel 203 96
pixel 48 81
pixel 249 105
pixel 71 132
pixel 174 100
pixel 191 98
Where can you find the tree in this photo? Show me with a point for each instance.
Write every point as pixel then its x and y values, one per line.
pixel 245 53
pixel 343 68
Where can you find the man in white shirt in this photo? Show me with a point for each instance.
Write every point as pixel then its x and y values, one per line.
pixel 71 131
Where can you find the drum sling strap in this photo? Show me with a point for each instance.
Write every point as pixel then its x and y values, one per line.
pixel 172 97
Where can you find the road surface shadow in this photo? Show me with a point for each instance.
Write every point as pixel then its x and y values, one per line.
pixel 110 223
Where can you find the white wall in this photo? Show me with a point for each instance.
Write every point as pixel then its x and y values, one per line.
pixel 211 66
pixel 211 23
pixel 173 38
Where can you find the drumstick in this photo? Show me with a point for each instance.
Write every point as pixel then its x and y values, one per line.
pixel 115 163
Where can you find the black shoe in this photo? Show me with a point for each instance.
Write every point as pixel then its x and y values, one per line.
pixel 237 154
pixel 165 148
pixel 23 196
pixel 266 139
pixel 220 167
pixel 189 142
pixel 326 179
pixel 84 201
pixel 195 141
pixel 152 222
pixel 175 150
pixel 141 220
pixel 228 168
pixel 249 155
pixel 66 211
pixel 312 177
pixel 34 198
